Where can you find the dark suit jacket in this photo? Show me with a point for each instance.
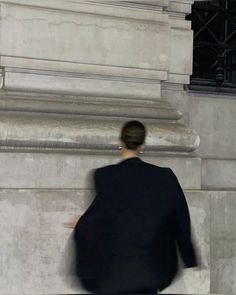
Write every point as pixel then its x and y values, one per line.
pixel 127 238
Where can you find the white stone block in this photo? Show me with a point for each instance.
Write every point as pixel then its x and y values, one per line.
pixel 219 174
pixel 196 280
pixel 17 64
pixel 212 115
pixel 67 171
pixel 80 85
pixel 84 37
pixel 181 49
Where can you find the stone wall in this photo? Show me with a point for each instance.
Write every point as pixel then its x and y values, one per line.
pixel 74 72
pixel 212 115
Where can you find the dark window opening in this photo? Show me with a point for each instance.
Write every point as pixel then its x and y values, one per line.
pixel 214 53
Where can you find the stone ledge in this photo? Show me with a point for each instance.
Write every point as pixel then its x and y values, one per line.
pixel 65 83
pixel 155 5
pixel 40 131
pixel 20 64
pixel 160 110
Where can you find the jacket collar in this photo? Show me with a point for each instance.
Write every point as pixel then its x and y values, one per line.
pixel 130 160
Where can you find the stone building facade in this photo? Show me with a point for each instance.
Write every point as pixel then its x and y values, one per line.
pixel 71 73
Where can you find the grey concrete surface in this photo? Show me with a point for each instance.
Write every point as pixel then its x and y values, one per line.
pixel 213 116
pixel 35 240
pixel 196 280
pixel 45 170
pixel 223 242
pixel 219 174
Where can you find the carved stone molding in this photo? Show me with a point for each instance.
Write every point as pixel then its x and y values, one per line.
pixel 43 131
pixel 80 84
pixel 76 70
pixel 140 43
pixel 89 106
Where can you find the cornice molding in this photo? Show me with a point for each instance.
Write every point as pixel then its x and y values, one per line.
pixel 43 131
pixel 96 8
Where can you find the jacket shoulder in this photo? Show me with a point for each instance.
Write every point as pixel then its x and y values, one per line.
pixel 167 171
pixel 144 163
pixel 158 168
pixel 104 169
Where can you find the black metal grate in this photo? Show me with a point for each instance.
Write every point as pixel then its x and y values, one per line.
pixel 214 55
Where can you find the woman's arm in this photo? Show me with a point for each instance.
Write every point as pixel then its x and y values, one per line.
pixel 72 222
pixel 183 225
pixel 74 219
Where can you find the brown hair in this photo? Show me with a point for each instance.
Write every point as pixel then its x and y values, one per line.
pixel 133 134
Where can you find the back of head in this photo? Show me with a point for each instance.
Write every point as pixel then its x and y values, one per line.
pixel 133 134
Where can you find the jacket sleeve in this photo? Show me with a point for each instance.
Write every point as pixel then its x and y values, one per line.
pixel 182 225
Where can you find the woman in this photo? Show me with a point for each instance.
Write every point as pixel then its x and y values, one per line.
pixel 126 240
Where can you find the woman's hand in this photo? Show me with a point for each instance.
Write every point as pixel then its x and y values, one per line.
pixel 72 222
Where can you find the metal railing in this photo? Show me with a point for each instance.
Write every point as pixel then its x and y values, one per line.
pixel 214 54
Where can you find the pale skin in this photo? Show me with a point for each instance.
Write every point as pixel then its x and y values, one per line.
pixel 125 154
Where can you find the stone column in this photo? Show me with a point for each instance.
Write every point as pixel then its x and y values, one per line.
pixel 72 72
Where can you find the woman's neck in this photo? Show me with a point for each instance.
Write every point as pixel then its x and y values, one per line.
pixel 125 154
